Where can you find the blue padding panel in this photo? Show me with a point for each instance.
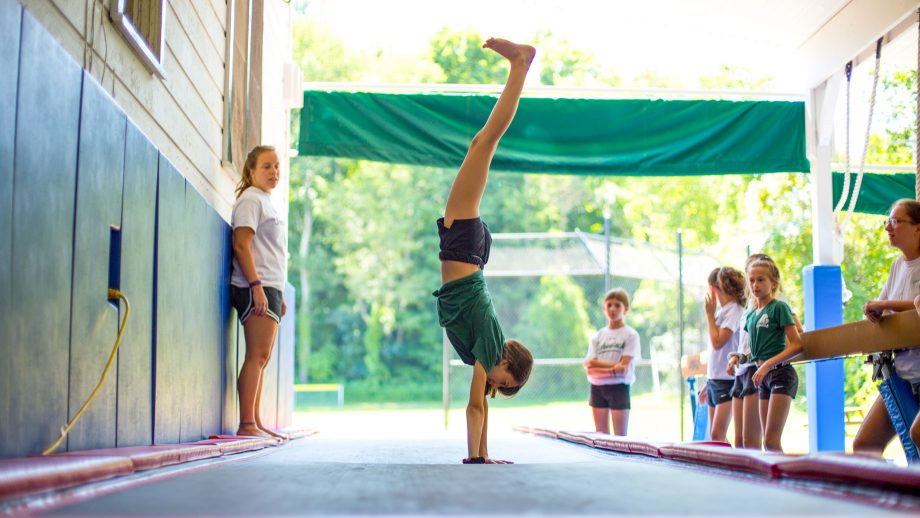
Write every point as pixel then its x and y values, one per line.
pixel 286 360
pixel 228 330
pixel 174 372
pixel 204 349
pixel 94 322
pixel 33 373
pixel 901 404
pixel 823 298
pixel 135 357
pixel 10 22
pixel 219 258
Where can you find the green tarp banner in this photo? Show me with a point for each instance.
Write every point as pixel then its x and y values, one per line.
pixel 877 192
pixel 565 136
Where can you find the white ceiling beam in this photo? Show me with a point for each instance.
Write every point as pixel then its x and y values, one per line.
pixel 851 35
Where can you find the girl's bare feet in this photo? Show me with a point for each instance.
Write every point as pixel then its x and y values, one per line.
pixel 266 430
pixel 250 430
pixel 516 53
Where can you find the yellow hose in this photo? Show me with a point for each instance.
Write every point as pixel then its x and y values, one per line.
pixel 113 295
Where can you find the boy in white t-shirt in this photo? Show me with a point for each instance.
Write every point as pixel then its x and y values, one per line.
pixel 609 365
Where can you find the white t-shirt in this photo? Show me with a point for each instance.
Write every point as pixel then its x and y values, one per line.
pixel 610 345
pixel 728 317
pixel 903 283
pixel 253 209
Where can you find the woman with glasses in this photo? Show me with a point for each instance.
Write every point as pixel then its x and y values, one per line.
pixel 898 294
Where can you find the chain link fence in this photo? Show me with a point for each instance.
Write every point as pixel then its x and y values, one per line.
pixel 548 291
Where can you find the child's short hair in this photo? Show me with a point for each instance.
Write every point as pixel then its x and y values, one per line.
pixel 520 363
pixel 618 294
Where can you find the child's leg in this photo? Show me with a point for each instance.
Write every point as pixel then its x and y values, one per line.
pixel 712 416
pixel 601 419
pixel 917 304
pixel 915 430
pixel 751 420
pixel 720 417
pixel 764 407
pixel 620 420
pixel 876 430
pixel 470 183
pixel 778 411
pixel 738 418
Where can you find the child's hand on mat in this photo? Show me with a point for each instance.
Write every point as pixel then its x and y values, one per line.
pixel 497 461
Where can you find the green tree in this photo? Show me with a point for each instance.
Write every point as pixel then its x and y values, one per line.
pixel 559 306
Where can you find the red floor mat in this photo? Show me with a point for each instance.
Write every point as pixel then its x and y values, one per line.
pixel 749 461
pixel 853 469
pixel 19 477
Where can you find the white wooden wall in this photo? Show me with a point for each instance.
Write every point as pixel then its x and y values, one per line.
pixel 183 113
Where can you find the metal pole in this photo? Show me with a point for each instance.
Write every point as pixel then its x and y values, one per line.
pixel 680 324
pixel 607 249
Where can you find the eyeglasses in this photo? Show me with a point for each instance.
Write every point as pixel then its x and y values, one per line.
pixel 893 222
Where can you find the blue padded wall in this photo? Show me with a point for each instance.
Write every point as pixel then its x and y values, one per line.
pixel 34 373
pixel 94 322
pixel 173 372
pixel 10 22
pixel 135 357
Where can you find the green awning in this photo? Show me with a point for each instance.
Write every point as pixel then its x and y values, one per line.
pixel 616 137
pixel 877 192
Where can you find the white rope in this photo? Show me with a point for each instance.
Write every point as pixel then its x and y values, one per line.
pixel 846 172
pixel 862 165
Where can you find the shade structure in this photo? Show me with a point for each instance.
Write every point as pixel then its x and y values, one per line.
pixel 611 137
pixel 877 192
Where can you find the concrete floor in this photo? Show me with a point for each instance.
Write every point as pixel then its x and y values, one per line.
pixel 341 477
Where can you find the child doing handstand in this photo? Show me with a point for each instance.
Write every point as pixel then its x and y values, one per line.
pixel 464 304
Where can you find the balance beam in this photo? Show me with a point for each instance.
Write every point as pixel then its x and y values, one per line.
pixel 897 331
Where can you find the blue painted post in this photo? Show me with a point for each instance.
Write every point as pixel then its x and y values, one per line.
pixel 823 296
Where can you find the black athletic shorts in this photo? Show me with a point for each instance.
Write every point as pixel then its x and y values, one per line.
pixel 781 379
pixel 614 397
pixel 719 391
pixel 466 241
pixel 241 298
pixel 744 384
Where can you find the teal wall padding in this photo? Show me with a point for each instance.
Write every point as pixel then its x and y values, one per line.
pixel 36 348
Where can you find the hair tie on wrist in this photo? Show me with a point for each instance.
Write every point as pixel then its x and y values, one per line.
pixel 475 460
pixel 257 282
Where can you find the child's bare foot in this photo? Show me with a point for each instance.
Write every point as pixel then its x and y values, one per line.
pixel 270 432
pixel 250 430
pixel 516 53
pixel 273 433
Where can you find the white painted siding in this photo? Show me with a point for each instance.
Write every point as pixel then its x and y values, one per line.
pixel 183 113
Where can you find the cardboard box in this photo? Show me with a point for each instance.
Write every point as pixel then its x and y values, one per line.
pixel 897 331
